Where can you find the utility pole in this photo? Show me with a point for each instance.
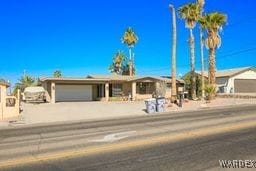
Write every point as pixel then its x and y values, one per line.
pixel 173 56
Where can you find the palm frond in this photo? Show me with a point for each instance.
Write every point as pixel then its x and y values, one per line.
pixel 190 13
pixel 129 37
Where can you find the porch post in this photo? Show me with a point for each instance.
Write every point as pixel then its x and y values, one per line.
pixel 47 95
pixel 53 93
pixel 107 91
pixel 102 90
pixel 157 88
pixel 133 91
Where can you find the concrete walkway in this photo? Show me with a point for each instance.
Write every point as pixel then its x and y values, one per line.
pixel 74 111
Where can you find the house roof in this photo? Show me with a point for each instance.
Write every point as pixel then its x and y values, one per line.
pixel 112 77
pixel 104 78
pixel 3 82
pixel 169 78
pixel 228 72
pixel 131 78
pixel 70 79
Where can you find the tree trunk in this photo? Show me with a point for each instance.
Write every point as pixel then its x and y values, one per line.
pixel 212 77
pixel 202 61
pixel 130 62
pixel 173 57
pixel 192 65
pixel 202 50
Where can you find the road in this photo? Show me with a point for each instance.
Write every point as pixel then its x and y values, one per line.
pixel 182 141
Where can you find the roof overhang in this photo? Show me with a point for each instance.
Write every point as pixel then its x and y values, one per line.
pixel 68 80
pixel 116 79
pixel 4 84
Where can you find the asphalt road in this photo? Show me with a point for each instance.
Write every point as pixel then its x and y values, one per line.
pixel 183 141
pixel 195 154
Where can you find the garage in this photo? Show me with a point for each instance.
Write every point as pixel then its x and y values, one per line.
pixel 245 85
pixel 73 93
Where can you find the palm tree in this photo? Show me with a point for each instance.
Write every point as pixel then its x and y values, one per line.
pixel 117 65
pixel 130 39
pixel 126 68
pixel 190 13
pixel 173 57
pixel 201 8
pixel 212 23
pixel 24 82
pixel 57 74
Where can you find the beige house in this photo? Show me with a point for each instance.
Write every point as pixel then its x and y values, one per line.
pixel 9 105
pixel 105 87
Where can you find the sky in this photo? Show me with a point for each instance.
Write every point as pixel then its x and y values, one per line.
pixel 80 37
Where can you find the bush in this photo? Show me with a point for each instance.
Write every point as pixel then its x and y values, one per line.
pixel 210 91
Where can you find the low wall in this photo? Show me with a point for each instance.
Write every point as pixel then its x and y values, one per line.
pixel 10 108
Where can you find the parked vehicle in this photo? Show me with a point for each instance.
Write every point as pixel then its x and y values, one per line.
pixel 34 94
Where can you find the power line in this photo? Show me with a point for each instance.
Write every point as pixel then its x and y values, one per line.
pixel 198 62
pixel 238 52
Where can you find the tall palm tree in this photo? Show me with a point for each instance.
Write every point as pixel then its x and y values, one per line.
pixel 173 57
pixel 130 39
pixel 118 63
pixel 212 23
pixel 201 8
pixel 190 13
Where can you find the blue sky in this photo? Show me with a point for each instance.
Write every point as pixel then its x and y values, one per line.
pixel 80 37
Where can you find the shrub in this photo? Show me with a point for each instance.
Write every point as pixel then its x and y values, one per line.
pixel 210 91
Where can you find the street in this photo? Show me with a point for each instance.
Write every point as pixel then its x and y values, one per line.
pixel 182 141
pixel 196 154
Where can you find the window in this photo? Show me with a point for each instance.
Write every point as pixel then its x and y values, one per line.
pixel 145 88
pixel 117 90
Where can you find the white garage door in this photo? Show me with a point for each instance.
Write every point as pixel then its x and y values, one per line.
pixel 73 92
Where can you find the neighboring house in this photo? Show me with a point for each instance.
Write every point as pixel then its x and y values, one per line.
pixel 236 80
pixel 105 87
pixel 9 105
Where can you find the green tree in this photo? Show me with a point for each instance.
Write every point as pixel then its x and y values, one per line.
pixel 118 64
pixel 126 68
pixel 24 81
pixel 130 39
pixel 187 79
pixel 57 74
pixel 190 13
pixel 212 23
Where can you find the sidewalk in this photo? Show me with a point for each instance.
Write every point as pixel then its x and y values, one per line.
pixel 91 111
pixel 218 102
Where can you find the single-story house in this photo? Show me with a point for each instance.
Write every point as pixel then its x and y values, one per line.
pixel 105 87
pixel 236 80
pixel 9 105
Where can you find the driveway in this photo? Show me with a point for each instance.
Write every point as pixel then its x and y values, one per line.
pixel 66 111
pixel 75 111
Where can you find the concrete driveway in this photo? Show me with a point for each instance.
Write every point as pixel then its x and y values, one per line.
pixel 75 111
pixel 67 111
